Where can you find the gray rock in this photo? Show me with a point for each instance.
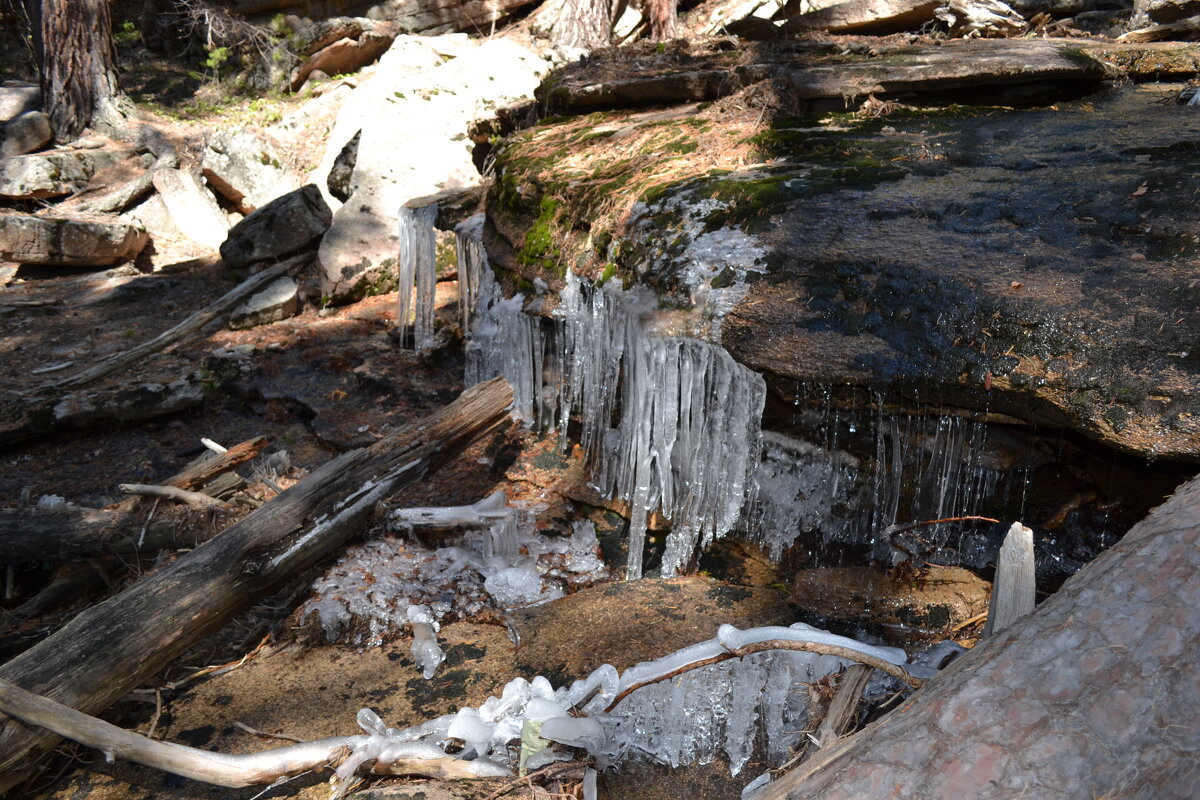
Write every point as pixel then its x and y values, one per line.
pixel 67 242
pixel 413 143
pixel 193 208
pixel 278 301
pixel 54 174
pixel 433 17
pixel 24 134
pixel 245 170
pixel 338 181
pixel 1161 12
pixel 153 215
pixel 280 227
pixel 16 98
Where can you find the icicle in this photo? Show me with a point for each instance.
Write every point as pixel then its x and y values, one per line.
pixel 417 271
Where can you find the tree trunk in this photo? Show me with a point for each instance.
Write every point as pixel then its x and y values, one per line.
pixel 661 14
pixel 77 63
pixel 583 23
pixel 114 646
pixel 1093 695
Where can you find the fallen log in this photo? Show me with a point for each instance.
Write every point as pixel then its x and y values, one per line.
pixel 32 537
pixel 1086 697
pixel 114 646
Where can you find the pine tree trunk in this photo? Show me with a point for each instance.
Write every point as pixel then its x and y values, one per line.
pixel 584 23
pixel 77 64
pixel 661 14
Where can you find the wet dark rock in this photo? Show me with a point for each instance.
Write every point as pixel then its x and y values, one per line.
pixel 1026 264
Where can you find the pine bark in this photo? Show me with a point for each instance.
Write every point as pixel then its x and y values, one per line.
pixel 661 14
pixel 584 23
pixel 77 64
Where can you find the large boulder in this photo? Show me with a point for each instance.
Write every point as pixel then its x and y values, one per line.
pixel 282 226
pixel 55 174
pixel 1161 12
pixel 17 97
pixel 245 170
pixel 1027 265
pixel 67 242
pixel 24 134
pixel 413 143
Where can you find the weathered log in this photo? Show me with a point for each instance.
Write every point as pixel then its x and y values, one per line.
pixel 1014 589
pixel 1086 697
pixel 840 715
pixel 195 322
pixel 114 646
pixel 26 538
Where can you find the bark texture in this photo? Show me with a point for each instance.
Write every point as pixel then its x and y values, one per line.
pixel 1093 695
pixel 661 14
pixel 77 63
pixel 583 23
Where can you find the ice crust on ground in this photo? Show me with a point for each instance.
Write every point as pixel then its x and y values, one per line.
pixel 498 561
pixel 669 424
pixel 687 719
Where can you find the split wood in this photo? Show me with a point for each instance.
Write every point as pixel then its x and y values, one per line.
pixel 113 647
pixel 190 325
pixel 779 644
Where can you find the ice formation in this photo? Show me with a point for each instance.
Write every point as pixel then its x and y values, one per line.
pixel 417 273
pixel 669 424
pixel 921 468
pixel 689 718
pixel 498 561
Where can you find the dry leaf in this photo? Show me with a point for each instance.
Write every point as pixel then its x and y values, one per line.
pixel 1141 190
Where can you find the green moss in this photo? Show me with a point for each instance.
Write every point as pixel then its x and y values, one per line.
pixel 541 249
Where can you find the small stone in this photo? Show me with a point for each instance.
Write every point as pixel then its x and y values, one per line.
pixel 280 300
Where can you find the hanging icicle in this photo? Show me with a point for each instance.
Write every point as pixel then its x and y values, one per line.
pixel 417 273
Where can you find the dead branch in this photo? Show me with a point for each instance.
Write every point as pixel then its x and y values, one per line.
pixel 779 644
pixel 197 499
pixel 190 325
pixel 114 646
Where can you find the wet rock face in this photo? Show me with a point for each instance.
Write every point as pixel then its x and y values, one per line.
pixel 1026 263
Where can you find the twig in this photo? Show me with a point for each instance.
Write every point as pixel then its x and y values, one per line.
pixel 220 668
pixel 892 530
pixel 779 644
pixel 968 623
pixel 197 499
pixel 515 782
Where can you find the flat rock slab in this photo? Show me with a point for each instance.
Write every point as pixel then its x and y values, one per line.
pixel 67 242
pixel 192 206
pixel 820 71
pixel 55 174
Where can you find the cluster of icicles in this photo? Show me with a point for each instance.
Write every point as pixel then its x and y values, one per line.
pixel 685 719
pixel 669 424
